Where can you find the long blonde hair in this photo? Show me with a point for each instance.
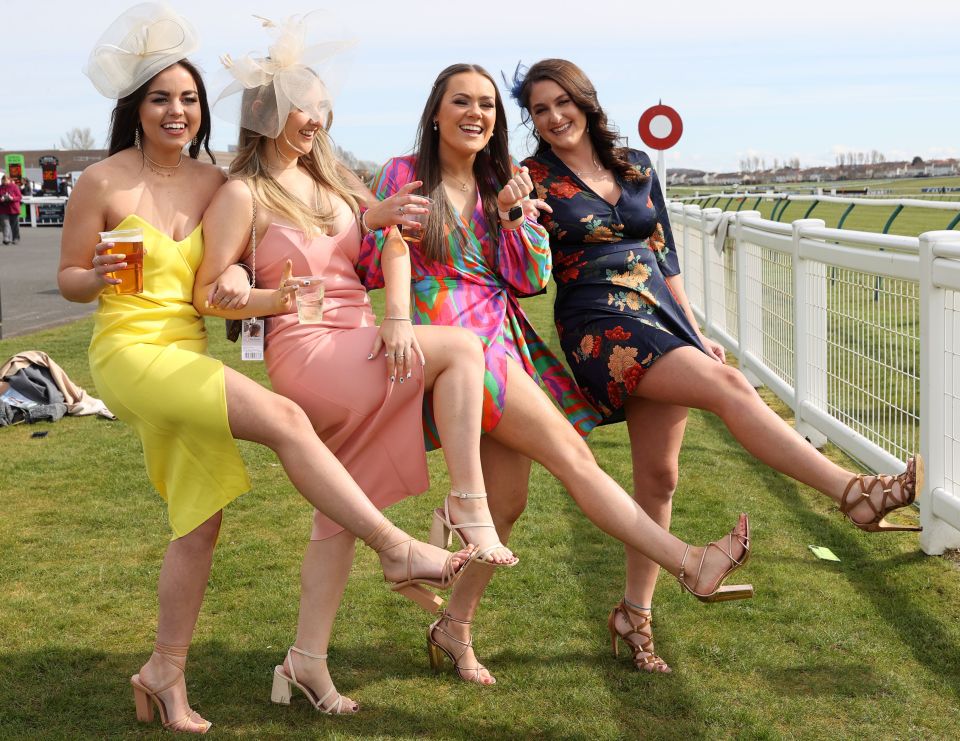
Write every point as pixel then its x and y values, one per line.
pixel 320 163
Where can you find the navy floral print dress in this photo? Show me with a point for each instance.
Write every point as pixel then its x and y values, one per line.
pixel 615 313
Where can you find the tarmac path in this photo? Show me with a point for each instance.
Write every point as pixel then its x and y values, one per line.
pixel 29 299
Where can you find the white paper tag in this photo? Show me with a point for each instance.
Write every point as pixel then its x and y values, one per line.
pixel 251 339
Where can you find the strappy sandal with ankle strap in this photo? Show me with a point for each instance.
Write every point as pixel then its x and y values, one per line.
pixel 644 657
pixel 411 586
pixel 721 592
pixel 910 481
pixel 436 652
pixel 330 702
pixel 148 697
pixel 443 528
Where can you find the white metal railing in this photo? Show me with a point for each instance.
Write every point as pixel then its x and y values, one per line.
pixel 858 332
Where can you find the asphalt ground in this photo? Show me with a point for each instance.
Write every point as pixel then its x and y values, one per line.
pixel 29 299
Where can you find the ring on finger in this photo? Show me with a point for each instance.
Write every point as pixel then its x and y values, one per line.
pixel 401 211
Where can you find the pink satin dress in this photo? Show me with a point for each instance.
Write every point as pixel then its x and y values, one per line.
pixel 373 426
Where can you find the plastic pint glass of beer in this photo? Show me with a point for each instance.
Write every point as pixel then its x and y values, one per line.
pixel 127 242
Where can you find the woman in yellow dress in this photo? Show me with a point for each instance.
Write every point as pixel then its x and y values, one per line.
pixel 147 354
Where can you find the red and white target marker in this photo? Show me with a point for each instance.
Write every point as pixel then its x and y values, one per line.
pixel 660 127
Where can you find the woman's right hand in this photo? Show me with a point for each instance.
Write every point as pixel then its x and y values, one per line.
pixel 105 265
pixel 284 295
pixel 396 210
pixel 231 290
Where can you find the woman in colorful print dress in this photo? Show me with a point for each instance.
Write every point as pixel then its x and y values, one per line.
pixel 478 254
pixel 629 334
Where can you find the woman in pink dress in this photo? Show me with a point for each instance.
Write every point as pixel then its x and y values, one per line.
pixel 287 212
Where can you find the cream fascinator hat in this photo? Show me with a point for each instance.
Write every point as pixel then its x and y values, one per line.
pixel 143 41
pixel 300 70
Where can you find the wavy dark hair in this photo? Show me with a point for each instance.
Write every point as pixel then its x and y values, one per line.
pixel 492 167
pixel 603 135
pixel 125 118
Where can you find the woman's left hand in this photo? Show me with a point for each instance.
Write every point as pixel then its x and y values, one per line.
pixel 396 210
pixel 714 349
pixel 398 342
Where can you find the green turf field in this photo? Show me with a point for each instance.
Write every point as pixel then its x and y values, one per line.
pixel 864 648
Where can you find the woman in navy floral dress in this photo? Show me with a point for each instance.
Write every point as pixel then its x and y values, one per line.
pixel 629 334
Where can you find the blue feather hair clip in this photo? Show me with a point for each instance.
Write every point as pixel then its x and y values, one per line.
pixel 514 86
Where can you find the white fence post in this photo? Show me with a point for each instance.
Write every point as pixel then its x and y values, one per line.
pixel 746 270
pixel 809 335
pixel 706 258
pixel 935 420
pixel 694 290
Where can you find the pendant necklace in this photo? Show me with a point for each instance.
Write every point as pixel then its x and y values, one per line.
pixel 463 185
pixel 164 171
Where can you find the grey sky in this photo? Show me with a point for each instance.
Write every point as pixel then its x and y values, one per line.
pixel 775 80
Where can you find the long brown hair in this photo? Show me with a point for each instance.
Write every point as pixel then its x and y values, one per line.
pixel 320 163
pixel 491 168
pixel 125 117
pixel 603 135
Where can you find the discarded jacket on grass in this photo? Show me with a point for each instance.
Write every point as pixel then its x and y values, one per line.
pixel 33 388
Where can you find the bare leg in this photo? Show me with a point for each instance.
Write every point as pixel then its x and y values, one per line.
pixel 269 419
pixel 323 577
pixel 687 377
pixel 558 447
pixel 454 372
pixel 656 433
pixel 507 474
pixel 183 581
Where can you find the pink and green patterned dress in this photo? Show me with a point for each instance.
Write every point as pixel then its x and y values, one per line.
pixel 478 288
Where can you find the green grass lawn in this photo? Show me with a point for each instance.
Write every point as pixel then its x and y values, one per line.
pixel 864 648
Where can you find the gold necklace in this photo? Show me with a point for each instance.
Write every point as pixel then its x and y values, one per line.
pixel 597 167
pixel 158 169
pixel 464 185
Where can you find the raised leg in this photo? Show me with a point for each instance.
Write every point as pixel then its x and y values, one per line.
pixel 559 448
pixel 454 372
pixel 687 377
pixel 269 419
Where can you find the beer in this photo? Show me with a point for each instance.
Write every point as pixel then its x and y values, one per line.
pixel 412 234
pixel 128 242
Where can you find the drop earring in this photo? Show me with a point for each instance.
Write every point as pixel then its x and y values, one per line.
pixel 435 126
pixel 194 142
pixel 136 137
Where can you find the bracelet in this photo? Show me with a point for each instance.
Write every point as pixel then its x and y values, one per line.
pixel 248 271
pixel 398 318
pixel 363 222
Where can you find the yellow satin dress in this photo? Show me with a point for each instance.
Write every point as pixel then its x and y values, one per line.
pixel 149 363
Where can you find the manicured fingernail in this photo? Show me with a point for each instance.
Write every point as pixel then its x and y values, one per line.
pixel 409 374
pixel 370 356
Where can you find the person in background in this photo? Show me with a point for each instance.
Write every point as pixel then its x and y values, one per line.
pixel 10 199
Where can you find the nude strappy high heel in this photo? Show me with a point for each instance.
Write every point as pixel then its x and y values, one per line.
pixel 911 483
pixel 443 527
pixel 148 697
pixel 721 592
pixel 412 586
pixel 644 657
pixel 330 702
pixel 436 652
